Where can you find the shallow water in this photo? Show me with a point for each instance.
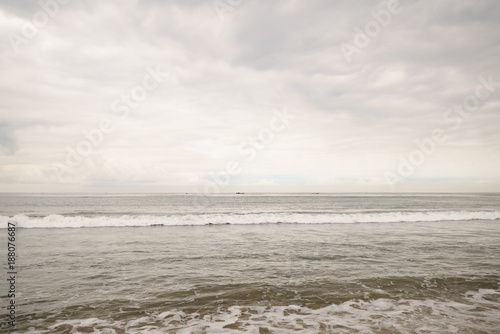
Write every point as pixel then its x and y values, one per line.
pixel 378 277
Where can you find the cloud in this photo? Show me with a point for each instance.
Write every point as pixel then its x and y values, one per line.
pixel 8 143
pixel 354 120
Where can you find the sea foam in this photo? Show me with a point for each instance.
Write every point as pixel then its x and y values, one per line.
pixel 60 221
pixel 354 316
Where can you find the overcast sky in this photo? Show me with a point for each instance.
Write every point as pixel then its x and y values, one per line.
pixel 317 95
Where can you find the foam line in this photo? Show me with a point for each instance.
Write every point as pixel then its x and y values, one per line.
pixel 60 221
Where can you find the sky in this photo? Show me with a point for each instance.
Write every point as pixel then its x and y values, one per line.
pixel 216 96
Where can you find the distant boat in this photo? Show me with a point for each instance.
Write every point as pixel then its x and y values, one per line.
pixel 238 193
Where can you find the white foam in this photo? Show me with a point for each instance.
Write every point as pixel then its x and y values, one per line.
pixel 99 326
pixel 354 316
pixel 59 221
pixel 478 296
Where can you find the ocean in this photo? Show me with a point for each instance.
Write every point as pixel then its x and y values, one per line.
pixel 252 263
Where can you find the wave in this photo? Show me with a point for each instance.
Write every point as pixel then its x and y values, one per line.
pixel 60 221
pixel 479 314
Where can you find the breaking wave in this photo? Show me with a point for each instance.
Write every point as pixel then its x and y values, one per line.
pixel 60 221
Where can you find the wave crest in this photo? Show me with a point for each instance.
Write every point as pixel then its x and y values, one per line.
pixel 60 221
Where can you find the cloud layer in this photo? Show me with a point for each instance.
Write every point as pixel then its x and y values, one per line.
pixel 224 69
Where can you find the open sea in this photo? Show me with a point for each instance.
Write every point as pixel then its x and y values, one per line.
pixel 253 263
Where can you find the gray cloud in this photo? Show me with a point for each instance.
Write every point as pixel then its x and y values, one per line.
pixel 354 120
pixel 8 143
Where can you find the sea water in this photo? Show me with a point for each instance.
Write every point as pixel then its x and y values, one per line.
pixel 254 263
